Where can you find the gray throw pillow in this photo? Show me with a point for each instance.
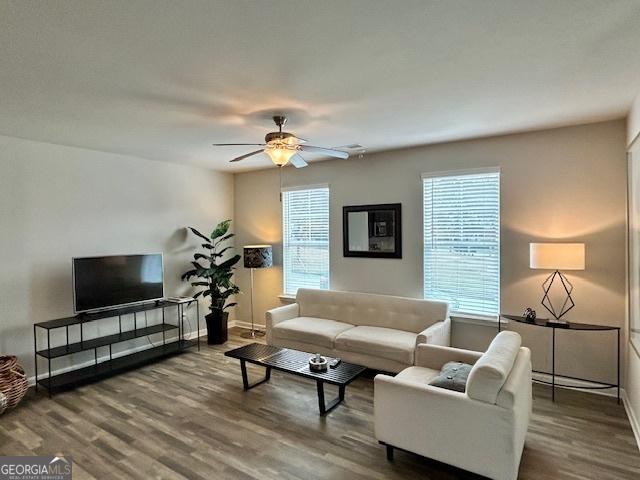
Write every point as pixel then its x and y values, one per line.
pixel 453 376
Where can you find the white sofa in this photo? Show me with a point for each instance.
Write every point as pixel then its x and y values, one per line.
pixel 481 430
pixel 377 331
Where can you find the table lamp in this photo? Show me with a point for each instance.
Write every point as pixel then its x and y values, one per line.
pixel 256 256
pixel 557 256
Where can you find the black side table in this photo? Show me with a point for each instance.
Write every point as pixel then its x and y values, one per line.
pixel 542 322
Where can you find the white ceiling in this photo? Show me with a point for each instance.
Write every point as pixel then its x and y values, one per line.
pixel 165 79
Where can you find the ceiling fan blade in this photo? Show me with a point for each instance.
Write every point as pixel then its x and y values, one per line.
pixel 246 155
pixel 238 144
pixel 353 149
pixel 297 161
pixel 324 151
pixel 351 146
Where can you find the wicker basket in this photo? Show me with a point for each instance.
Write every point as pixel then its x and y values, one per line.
pixel 13 382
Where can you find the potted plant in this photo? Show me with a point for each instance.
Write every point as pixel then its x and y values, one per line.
pixel 215 277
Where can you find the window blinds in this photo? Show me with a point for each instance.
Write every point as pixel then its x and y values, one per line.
pixel 305 225
pixel 462 241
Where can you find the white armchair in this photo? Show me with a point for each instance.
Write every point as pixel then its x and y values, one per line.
pixel 481 430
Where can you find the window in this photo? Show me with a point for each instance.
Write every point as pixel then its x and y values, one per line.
pixel 305 227
pixel 462 241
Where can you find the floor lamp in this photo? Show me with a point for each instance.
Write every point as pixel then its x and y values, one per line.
pixel 256 256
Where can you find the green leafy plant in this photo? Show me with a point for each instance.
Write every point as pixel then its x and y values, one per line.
pixel 216 277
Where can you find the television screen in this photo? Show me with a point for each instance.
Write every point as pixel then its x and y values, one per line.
pixel 104 282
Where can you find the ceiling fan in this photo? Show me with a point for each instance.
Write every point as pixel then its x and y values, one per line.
pixel 284 147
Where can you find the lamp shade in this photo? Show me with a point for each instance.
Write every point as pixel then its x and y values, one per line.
pixel 556 256
pixel 280 155
pixel 258 256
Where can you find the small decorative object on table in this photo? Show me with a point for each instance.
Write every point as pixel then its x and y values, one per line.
pixel 318 363
pixel 13 382
pixel 529 314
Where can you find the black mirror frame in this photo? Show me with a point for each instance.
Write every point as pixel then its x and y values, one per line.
pixel 397 209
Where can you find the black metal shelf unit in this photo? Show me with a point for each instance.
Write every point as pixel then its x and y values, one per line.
pixel 114 365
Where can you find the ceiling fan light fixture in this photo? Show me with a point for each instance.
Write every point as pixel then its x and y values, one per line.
pixel 279 154
pixel 283 147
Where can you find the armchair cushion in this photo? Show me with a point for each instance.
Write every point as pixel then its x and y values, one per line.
pixel 453 376
pixel 387 343
pixel 417 375
pixel 492 369
pixel 315 331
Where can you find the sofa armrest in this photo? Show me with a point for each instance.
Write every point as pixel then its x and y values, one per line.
pixel 437 334
pixel 279 314
pixel 435 356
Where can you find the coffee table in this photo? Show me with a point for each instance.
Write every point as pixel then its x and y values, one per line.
pixel 295 362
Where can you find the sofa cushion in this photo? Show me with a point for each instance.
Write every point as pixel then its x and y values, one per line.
pixel 420 375
pixel 367 309
pixel 492 369
pixel 387 343
pixel 316 331
pixel 453 376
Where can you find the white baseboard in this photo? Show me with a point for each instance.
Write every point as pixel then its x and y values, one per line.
pixel 247 325
pixel 32 379
pixel 633 420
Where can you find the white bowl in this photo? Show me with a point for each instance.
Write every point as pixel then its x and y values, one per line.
pixel 316 366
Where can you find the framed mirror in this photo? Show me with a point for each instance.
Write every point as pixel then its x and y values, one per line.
pixel 373 231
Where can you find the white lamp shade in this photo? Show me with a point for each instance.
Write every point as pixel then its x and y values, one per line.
pixel 556 256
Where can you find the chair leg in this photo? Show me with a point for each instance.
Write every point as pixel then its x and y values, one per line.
pixel 389 453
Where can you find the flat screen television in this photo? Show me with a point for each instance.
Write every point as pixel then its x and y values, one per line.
pixel 114 281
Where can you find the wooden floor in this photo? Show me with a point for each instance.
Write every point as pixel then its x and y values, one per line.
pixel 188 417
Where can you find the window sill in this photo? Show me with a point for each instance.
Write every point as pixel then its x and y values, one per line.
pixel 477 320
pixel 287 298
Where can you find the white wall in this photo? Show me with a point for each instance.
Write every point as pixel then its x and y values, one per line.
pixel 565 184
pixel 59 202
pixel 633 357
pixel 633 121
pixel 632 388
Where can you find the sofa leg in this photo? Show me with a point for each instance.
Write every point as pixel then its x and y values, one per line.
pixel 389 452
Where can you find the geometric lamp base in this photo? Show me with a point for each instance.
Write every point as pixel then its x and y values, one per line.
pixel 568 303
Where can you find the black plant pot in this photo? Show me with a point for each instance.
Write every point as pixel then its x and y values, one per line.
pixel 217 327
